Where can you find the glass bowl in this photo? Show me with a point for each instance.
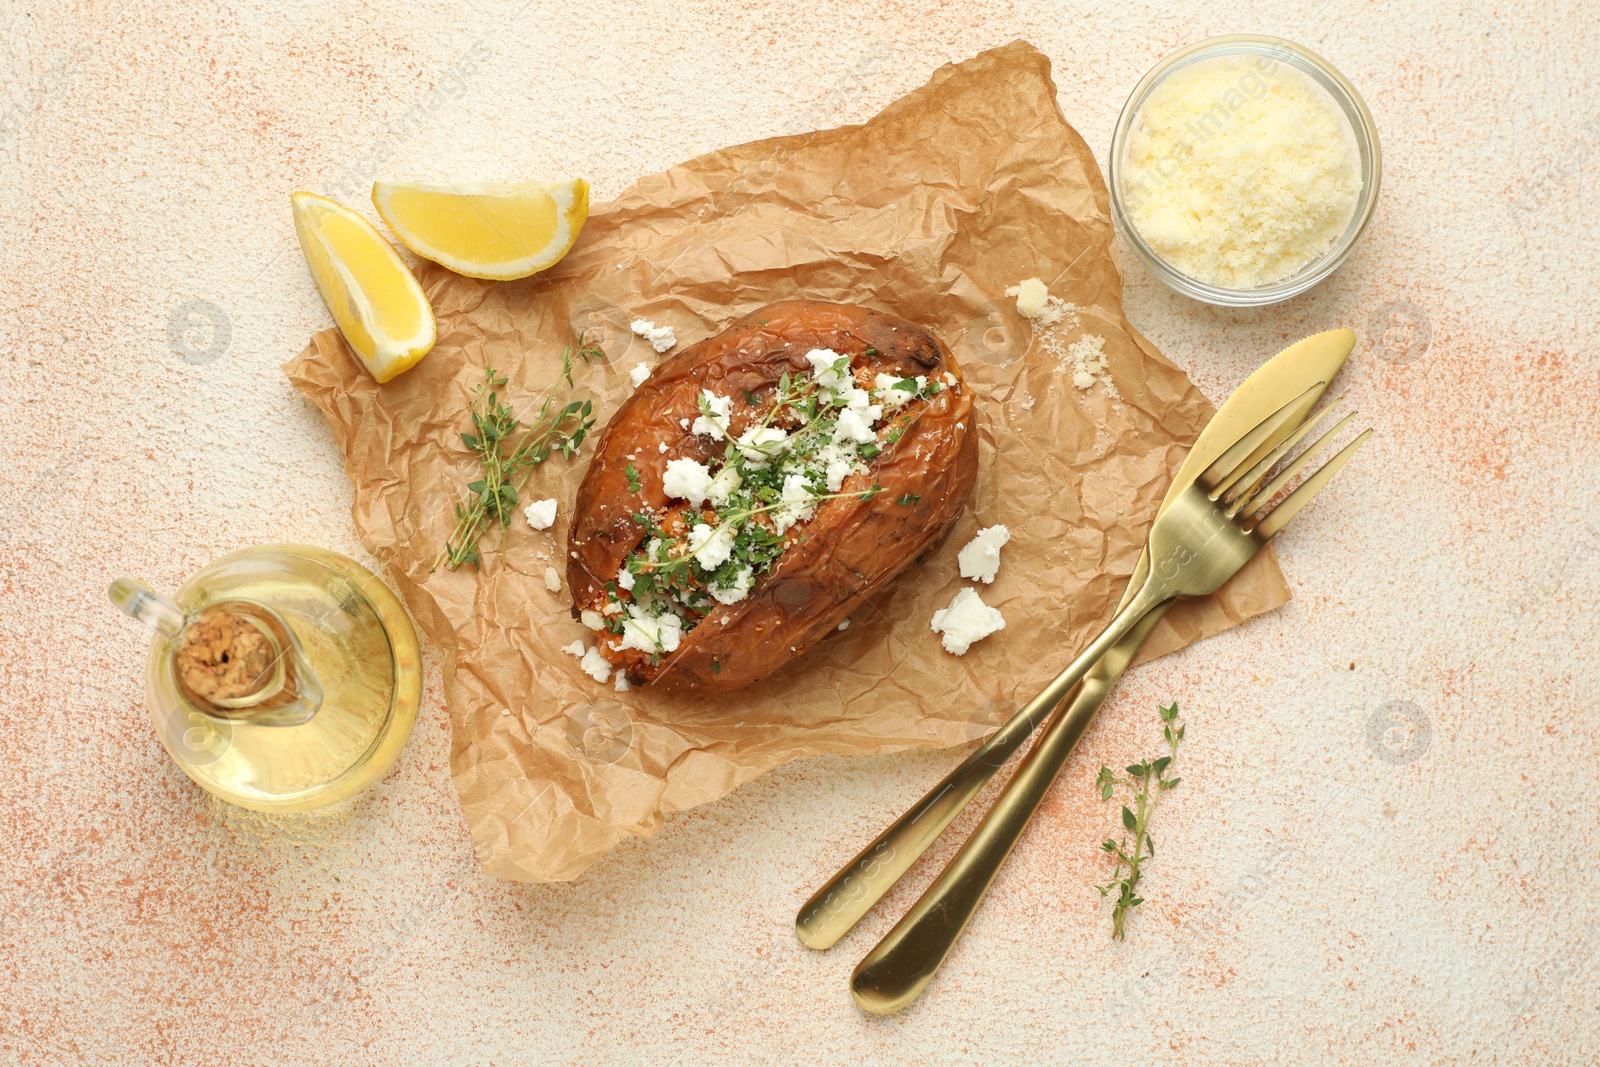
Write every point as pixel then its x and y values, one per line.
pixel 1322 73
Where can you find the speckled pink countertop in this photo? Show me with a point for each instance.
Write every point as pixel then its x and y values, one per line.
pixel 1383 851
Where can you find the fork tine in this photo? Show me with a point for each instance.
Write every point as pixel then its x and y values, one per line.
pixel 1300 463
pixel 1248 487
pixel 1279 517
pixel 1237 459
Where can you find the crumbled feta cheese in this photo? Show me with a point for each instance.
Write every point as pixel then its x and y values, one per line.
pixel 595 666
pixel 683 423
pixel 652 633
pixel 716 427
pixel 855 398
pixel 856 425
pixel 593 619
pixel 949 379
pixel 838 459
pixel 640 372
pixel 736 592
pixel 711 545
pixel 541 514
pixel 723 486
pixel 622 683
pixel 797 504
pixel 760 444
pixel 611 607
pixel 661 338
pixel 892 394
pixel 845 625
pixel 552 580
pixel 967 620
pixel 686 479
pixel 625 579
pixel 838 470
pixel 574 649
pixel 662 448
pixel 980 559
pixel 825 369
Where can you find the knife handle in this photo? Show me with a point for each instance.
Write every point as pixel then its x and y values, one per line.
pixel 850 894
pixel 897 971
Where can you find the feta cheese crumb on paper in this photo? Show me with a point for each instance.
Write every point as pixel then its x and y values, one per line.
pixel 686 479
pixel 980 558
pixel 622 682
pixel 638 374
pixel 1035 302
pixel 595 665
pixel 661 338
pixel 541 514
pixel 590 661
pixel 552 580
pixel 845 625
pixel 967 620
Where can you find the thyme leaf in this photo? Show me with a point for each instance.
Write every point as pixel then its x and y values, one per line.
pixel 1146 782
pixel 507 453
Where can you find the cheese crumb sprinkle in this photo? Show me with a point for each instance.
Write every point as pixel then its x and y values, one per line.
pixel 980 559
pixel 661 338
pixel 541 514
pixel 966 621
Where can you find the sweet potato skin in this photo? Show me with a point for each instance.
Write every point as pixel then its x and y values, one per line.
pixel 841 555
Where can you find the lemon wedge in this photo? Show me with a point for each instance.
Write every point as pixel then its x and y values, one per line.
pixel 375 299
pixel 495 230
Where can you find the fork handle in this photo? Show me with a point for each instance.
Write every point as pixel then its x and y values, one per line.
pixel 900 967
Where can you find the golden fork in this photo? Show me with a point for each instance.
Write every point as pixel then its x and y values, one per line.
pixel 1210 530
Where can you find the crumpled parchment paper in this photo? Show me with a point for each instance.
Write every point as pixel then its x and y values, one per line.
pixel 930 210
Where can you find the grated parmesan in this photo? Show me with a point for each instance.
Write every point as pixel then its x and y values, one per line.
pixel 1240 172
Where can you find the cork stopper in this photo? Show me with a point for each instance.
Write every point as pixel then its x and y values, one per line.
pixel 224 655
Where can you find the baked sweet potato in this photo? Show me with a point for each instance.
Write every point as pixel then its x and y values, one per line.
pixel 644 551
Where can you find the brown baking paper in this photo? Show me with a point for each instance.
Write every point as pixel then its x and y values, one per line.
pixel 929 211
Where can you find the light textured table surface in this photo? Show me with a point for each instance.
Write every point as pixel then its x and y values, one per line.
pixel 1336 885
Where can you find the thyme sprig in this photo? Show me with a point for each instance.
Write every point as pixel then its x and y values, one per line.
pixel 1147 781
pixel 508 452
